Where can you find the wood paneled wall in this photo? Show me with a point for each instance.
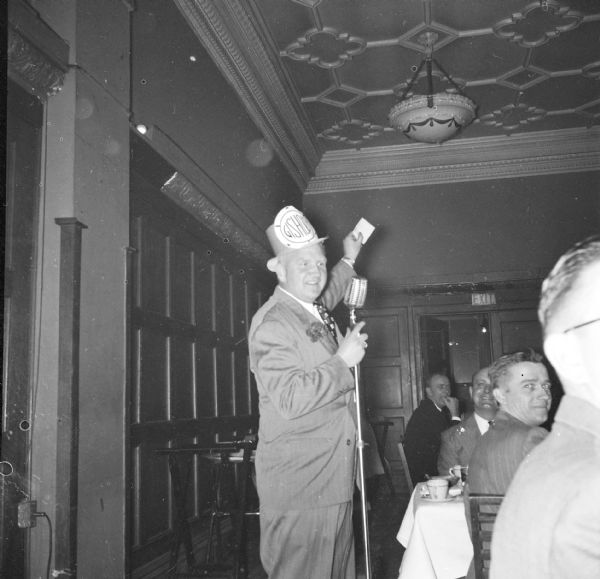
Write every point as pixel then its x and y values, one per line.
pixel 191 301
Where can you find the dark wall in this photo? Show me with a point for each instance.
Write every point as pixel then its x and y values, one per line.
pixel 192 103
pixel 462 232
pixel 192 299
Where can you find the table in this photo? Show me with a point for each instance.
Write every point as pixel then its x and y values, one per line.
pixel 436 538
pixel 223 455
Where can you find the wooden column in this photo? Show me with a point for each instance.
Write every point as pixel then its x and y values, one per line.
pixel 65 559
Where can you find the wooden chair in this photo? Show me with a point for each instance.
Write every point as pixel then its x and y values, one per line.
pixel 405 467
pixel 483 510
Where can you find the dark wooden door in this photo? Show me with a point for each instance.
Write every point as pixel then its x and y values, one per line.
pixel 24 122
pixel 514 330
pixel 435 351
pixel 387 377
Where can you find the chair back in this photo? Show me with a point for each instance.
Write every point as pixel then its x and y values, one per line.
pixel 483 510
pixel 409 482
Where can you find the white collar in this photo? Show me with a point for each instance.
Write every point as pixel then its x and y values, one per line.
pixel 482 423
pixel 306 305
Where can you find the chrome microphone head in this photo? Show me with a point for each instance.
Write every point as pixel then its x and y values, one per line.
pixel 356 293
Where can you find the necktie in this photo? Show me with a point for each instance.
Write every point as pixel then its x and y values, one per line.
pixel 327 319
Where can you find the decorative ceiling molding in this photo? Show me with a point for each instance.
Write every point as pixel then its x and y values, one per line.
pixel 198 194
pixel 484 158
pixel 233 35
pixel 37 56
pixel 528 65
pixel 188 197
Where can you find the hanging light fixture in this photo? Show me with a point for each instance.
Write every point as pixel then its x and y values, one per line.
pixel 431 118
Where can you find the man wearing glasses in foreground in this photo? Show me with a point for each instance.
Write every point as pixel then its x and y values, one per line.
pixel 549 522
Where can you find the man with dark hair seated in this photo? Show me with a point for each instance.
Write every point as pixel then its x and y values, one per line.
pixel 522 388
pixel 422 438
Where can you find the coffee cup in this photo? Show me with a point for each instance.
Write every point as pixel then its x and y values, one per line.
pixel 438 488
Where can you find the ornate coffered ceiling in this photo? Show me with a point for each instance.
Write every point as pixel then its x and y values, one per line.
pixel 320 76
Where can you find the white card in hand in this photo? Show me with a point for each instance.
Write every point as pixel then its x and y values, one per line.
pixel 364 227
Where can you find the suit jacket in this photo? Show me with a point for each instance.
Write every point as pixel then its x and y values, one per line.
pixel 499 452
pixel 458 443
pixel 548 526
pixel 307 431
pixel 422 439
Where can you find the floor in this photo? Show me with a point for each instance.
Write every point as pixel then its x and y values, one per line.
pixel 385 517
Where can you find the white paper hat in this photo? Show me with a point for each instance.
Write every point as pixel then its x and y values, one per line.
pixel 290 230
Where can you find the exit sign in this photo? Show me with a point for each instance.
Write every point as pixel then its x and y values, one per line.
pixel 483 298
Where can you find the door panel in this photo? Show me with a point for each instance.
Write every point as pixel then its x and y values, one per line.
pixel 516 330
pixel 435 335
pixel 387 377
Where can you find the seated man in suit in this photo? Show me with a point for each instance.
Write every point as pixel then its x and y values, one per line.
pixel 522 388
pixel 422 438
pixel 458 442
pixel 548 526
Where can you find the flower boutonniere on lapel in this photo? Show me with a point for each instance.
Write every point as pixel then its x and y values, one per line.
pixel 316 331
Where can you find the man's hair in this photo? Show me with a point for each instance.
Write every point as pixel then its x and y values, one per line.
pixel 504 363
pixel 429 376
pixel 562 278
pixel 477 372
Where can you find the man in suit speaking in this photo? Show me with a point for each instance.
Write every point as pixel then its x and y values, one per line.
pixel 305 458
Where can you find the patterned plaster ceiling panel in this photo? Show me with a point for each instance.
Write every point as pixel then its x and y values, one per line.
pixel 377 69
pixel 570 51
pixel 372 20
pixel 484 58
pixel 474 15
pixel 529 65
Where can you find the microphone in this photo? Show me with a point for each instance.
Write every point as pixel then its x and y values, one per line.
pixel 355 296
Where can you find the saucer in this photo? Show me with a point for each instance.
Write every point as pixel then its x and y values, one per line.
pixel 446 500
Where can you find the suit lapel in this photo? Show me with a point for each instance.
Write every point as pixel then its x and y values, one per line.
pixel 307 321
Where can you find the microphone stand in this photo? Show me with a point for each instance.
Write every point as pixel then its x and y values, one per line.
pixel 361 462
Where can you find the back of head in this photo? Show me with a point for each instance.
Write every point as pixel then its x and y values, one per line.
pixel 559 283
pixel 569 312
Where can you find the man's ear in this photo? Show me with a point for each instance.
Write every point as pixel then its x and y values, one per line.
pixel 428 391
pixel 563 352
pixel 280 271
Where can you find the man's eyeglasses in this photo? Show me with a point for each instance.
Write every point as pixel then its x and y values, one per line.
pixel 581 325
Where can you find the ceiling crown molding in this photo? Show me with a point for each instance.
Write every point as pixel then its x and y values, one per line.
pixel 230 31
pixel 196 192
pixel 37 56
pixel 525 155
pixel 188 197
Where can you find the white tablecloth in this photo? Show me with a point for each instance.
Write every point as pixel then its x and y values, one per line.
pixel 436 537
